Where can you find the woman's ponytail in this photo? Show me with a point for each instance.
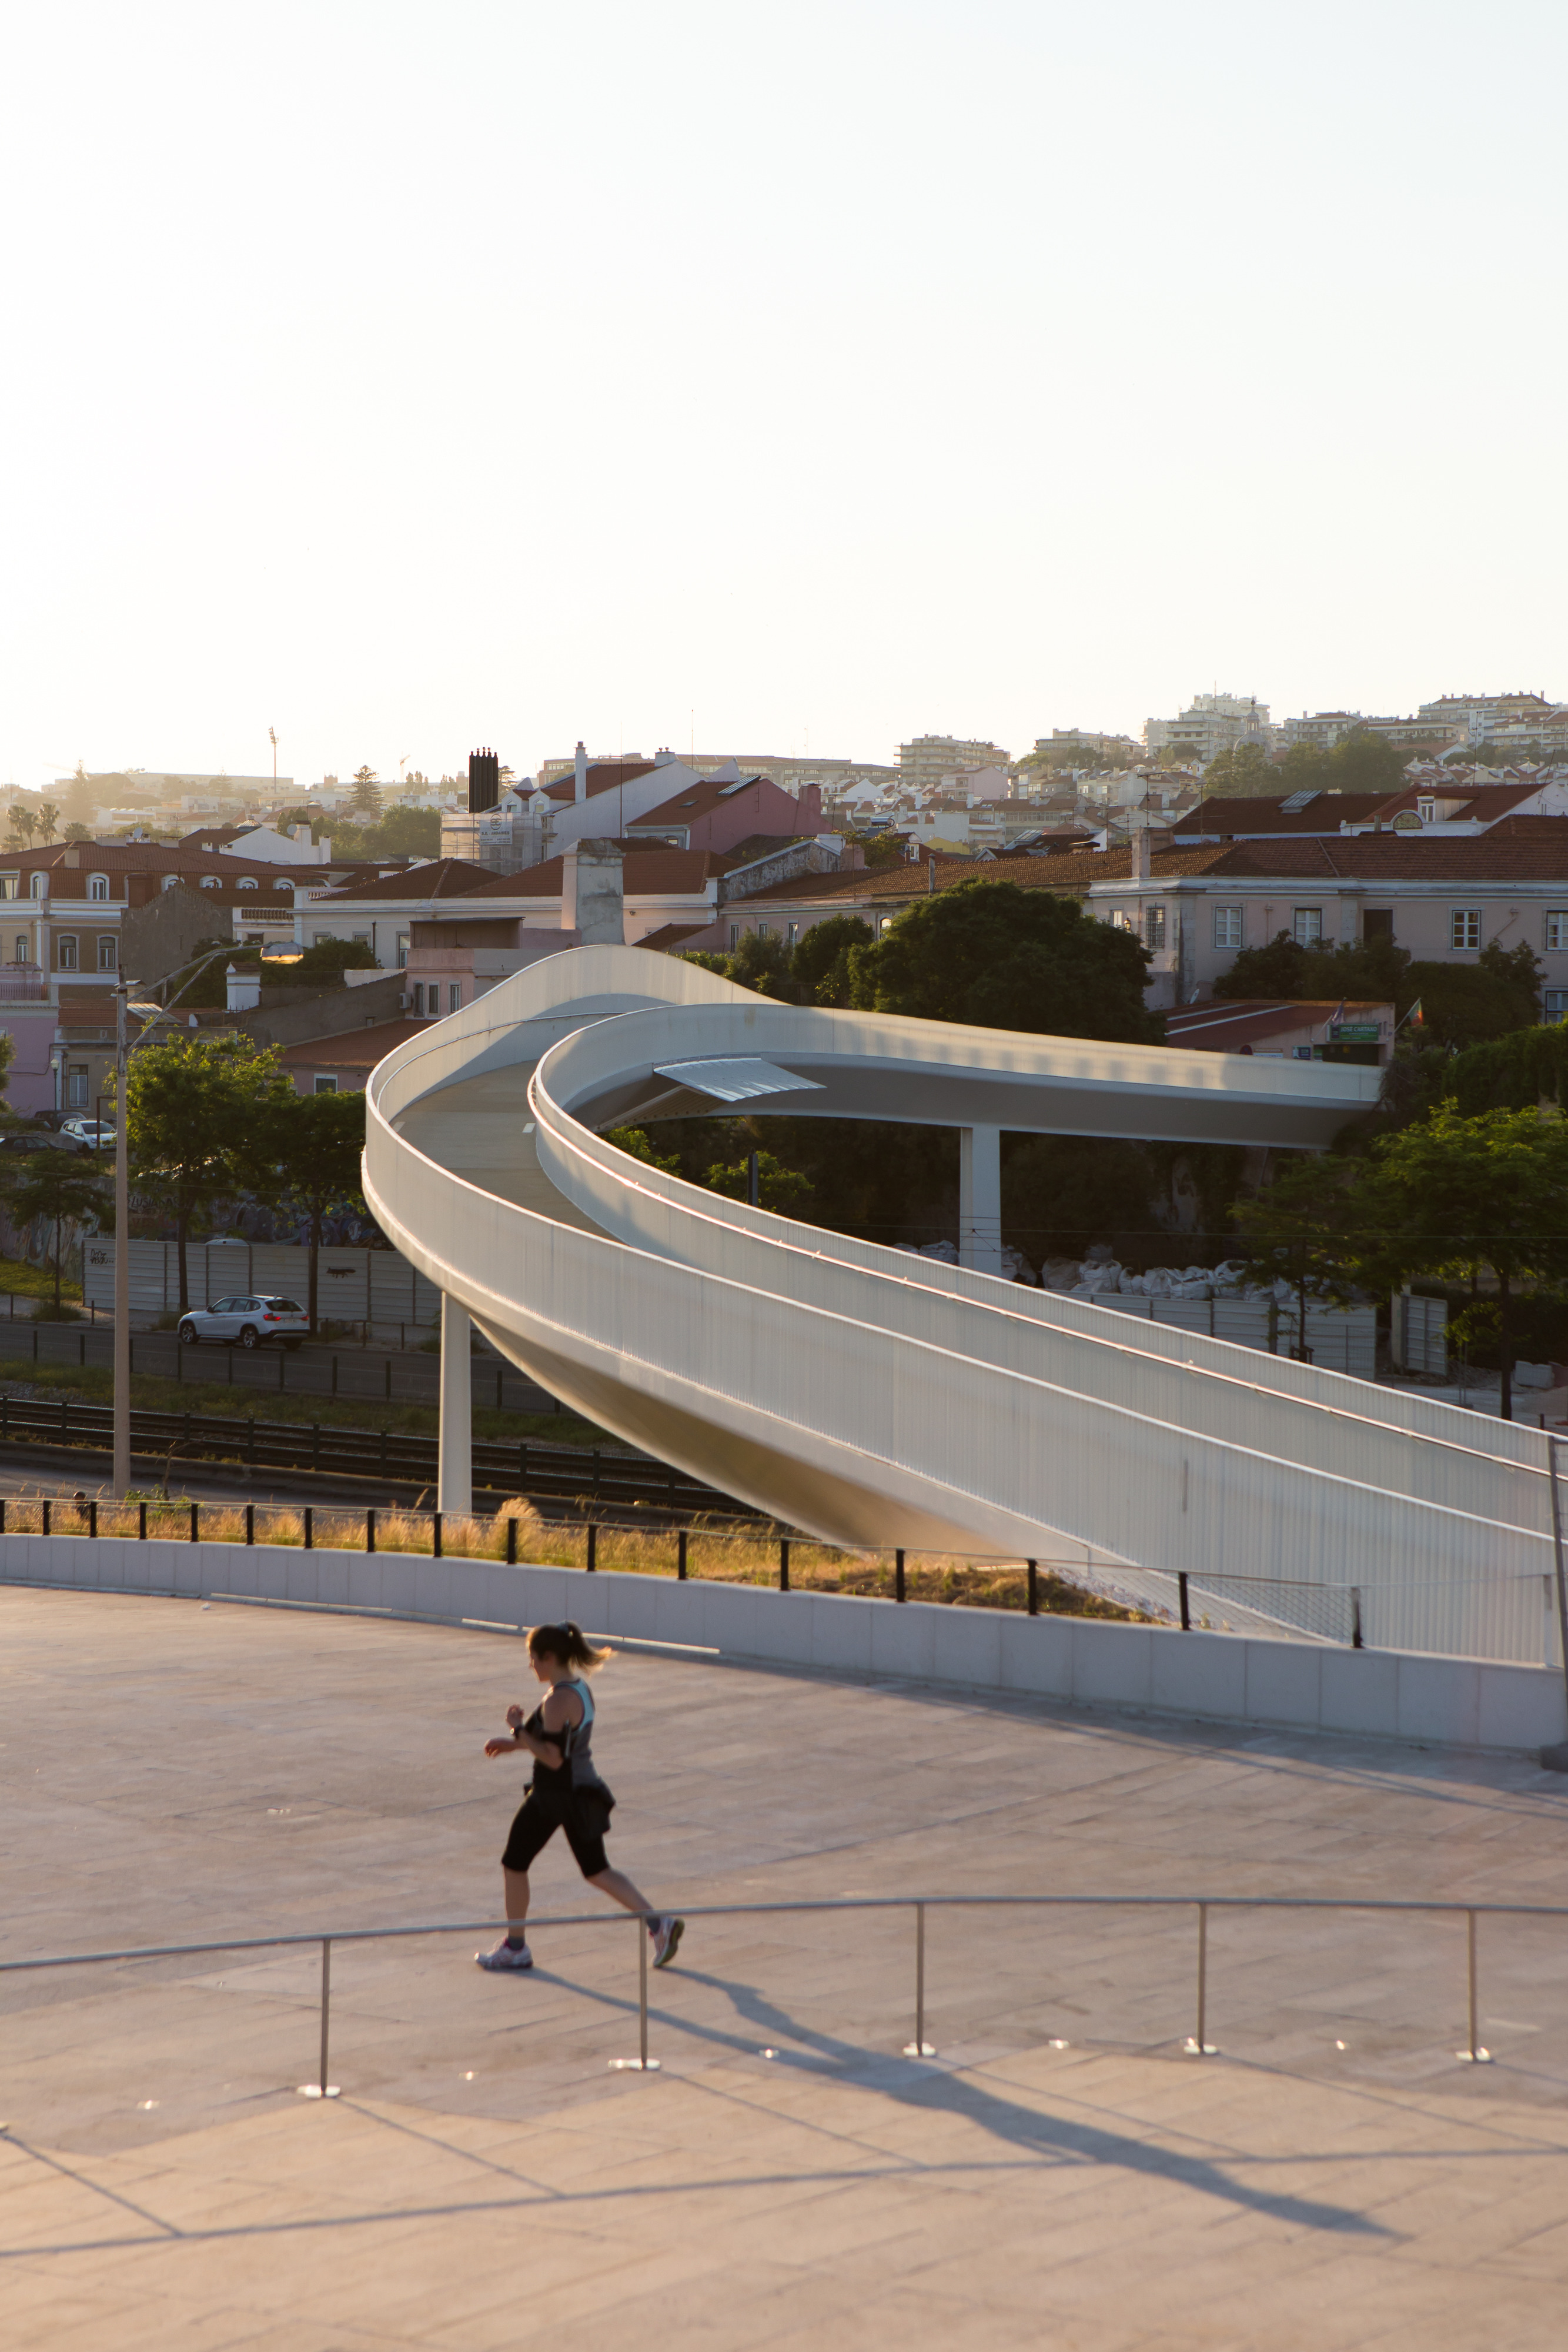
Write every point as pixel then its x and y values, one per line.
pixel 568 1643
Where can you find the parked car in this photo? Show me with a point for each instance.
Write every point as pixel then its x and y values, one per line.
pixel 89 1134
pixel 255 1322
pixel 32 1139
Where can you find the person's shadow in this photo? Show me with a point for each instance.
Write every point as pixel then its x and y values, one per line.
pixel 932 2090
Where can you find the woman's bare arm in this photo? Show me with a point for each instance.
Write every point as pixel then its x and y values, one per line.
pixel 562 1711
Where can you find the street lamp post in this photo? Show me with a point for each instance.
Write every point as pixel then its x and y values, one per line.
pixel 121 1252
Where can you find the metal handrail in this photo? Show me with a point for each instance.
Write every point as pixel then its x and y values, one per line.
pixel 1195 2045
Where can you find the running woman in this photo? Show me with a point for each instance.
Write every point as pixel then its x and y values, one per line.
pixel 565 1793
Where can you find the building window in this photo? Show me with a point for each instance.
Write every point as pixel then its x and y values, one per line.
pixel 325 1084
pixel 76 1087
pixel 361 939
pixel 1153 927
pixel 402 952
pixel 762 930
pixel 168 881
pixel 1228 927
pixel 885 924
pixel 735 935
pixel 98 885
pixel 1121 921
pixel 40 885
pixel 1377 923
pixel 1555 1004
pixel 1557 928
pixel 1307 925
pixel 108 955
pixel 792 934
pixel 209 881
pixel 23 951
pixel 454 996
pixel 1464 927
pixel 10 886
pixel 1427 810
pixel 67 953
pixel 419 999
pixel 247 882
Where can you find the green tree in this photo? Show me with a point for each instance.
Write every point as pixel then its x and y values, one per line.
pixel 1456 1199
pixel 23 824
pixel 1468 1004
pixel 401 832
pixel 316 1140
pixel 634 1141
pixel 1242 769
pixel 1363 762
pixel 56 1186
pixel 881 849
pixel 820 966
pixel 198 1125
pixel 762 964
pixel 1301 1228
pixel 367 800
pixel 78 833
pixel 1304 769
pixel 783 1189
pixel 1060 1192
pixel 48 820
pixel 1000 957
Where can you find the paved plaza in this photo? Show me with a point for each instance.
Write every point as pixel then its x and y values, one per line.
pixel 1058 2174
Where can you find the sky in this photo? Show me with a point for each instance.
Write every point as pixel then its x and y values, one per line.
pixel 775 379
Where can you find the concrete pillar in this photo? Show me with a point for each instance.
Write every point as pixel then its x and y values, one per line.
pixel 980 1198
pixel 454 1479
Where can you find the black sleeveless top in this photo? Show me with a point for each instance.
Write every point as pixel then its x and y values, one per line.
pixel 577 1770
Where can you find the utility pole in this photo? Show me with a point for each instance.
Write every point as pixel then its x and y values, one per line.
pixel 272 738
pixel 121 1252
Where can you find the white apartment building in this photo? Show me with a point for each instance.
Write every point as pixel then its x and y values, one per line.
pixel 1479 717
pixel 1210 724
pixel 926 759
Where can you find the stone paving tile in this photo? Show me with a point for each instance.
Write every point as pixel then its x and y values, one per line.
pixel 1112 2195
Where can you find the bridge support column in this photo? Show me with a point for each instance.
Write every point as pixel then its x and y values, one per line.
pixel 454 1480
pixel 980 1198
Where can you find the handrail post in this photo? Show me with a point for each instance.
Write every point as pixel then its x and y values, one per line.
pixel 1356 1642
pixel 1186 1604
pixel 1033 1585
pixel 898 1588
pixel 681 1557
pixel 919 2047
pixel 250 1523
pixel 512 1539
pixel 591 1561
pixel 1474 2056
pixel 1198 2047
pixel 783 1563
pixel 642 1994
pixel 321 2088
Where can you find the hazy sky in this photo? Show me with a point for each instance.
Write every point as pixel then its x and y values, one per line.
pixel 411 376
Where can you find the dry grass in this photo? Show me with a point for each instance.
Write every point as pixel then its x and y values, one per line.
pixel 716 1553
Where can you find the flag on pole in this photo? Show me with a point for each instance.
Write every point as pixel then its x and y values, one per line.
pixel 1416 1017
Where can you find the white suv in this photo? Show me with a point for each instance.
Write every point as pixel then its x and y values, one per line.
pixel 251 1321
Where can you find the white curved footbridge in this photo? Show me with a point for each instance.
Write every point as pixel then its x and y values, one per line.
pixel 873 1398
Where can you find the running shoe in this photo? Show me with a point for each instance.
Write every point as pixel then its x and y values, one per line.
pixel 506 1959
pixel 667 1935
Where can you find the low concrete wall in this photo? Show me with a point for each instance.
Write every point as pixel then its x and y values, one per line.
pixel 1215 1677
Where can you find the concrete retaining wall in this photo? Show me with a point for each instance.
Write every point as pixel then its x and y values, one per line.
pixel 1217 1677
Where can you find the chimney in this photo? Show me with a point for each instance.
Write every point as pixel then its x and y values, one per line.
pixel 582 791
pixel 484 782
pixel 593 896
pixel 931 877
pixel 1140 848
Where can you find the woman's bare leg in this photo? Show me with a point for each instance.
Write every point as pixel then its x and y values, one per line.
pixel 620 1889
pixel 516 1883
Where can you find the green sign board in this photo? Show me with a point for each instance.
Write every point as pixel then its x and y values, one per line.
pixel 1353 1033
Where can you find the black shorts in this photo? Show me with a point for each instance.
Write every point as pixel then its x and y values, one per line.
pixel 584 1816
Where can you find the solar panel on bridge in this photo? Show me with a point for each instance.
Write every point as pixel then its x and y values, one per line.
pixel 737 1080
